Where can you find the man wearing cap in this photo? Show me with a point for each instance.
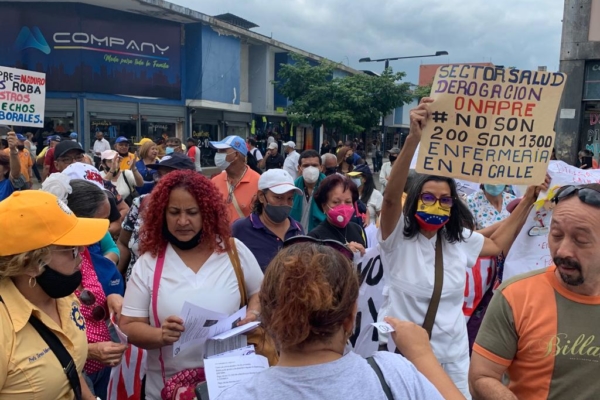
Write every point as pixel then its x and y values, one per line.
pixel 66 153
pixel 127 159
pixel 73 136
pixel 237 183
pixel 129 236
pixel 272 158
pixel 49 166
pixel 100 145
pixel 25 159
pixel 291 160
pixel 386 168
pixel 270 224
pixel 173 145
pixel 193 153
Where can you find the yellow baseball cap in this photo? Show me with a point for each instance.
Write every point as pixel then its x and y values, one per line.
pixel 33 219
pixel 143 141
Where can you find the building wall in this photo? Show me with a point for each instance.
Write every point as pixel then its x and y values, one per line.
pixel 581 23
pixel 244 72
pixel 258 78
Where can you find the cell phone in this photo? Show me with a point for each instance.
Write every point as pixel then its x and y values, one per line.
pixel 202 391
pixel 587 161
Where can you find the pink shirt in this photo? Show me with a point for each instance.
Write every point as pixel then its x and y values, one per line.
pixel 96 331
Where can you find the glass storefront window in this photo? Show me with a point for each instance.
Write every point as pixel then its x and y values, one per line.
pixel 112 129
pixel 240 131
pixel 157 130
pixel 206 133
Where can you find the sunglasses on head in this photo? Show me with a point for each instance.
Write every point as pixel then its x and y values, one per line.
pixel 334 244
pixel 429 199
pixel 587 195
pixel 89 299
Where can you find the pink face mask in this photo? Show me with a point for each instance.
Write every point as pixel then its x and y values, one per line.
pixel 340 215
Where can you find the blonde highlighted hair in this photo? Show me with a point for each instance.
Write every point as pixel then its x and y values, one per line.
pixel 21 264
pixel 145 148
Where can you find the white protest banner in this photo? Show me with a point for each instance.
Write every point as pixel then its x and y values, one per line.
pixel 22 97
pixel 491 125
pixel 365 339
pixel 530 250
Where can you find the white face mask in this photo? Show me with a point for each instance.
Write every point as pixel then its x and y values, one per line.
pixel 221 162
pixel 311 174
pixel 357 182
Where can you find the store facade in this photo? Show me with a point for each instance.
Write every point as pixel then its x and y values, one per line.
pixel 107 70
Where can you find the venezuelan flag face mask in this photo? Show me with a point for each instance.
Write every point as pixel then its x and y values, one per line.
pixel 432 217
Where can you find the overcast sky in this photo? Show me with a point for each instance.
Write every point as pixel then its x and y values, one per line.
pixel 520 33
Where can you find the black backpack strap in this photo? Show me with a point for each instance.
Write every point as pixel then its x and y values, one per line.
pixel 60 352
pixel 384 385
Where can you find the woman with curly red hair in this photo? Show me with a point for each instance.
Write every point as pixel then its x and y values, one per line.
pixel 186 230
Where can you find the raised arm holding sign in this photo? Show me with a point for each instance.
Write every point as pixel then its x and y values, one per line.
pixel 491 125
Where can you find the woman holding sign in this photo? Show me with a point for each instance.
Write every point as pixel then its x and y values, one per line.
pixel 426 275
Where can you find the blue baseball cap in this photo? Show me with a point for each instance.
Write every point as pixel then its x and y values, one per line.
pixel 73 135
pixel 55 138
pixel 21 137
pixel 232 142
pixel 122 139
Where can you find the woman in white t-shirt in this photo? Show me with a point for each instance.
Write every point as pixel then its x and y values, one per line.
pixel 408 240
pixel 185 221
pixel 126 180
pixel 308 303
pixel 363 178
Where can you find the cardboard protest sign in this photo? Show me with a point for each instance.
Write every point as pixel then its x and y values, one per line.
pixel 365 339
pixel 530 250
pixel 491 125
pixel 22 97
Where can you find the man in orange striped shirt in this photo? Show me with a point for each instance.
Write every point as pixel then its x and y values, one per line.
pixel 543 328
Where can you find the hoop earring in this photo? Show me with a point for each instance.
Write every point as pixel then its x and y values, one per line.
pixel 34 284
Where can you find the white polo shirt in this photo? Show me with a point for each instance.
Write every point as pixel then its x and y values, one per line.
pixel 291 164
pixel 410 277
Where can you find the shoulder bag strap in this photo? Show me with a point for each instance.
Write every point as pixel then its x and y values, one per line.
pixel 235 202
pixel 384 385
pixel 239 272
pixel 437 286
pixel 127 181
pixel 160 263
pixel 65 359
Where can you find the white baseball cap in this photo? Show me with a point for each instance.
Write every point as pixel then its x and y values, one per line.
pixel 277 181
pixel 272 146
pixel 108 154
pixel 290 144
pixel 84 171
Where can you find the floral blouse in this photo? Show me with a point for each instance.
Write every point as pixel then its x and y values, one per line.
pixel 132 223
pixel 484 212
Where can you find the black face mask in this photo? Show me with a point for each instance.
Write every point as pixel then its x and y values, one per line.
pixel 57 285
pixel 392 158
pixel 180 244
pixel 20 148
pixel 330 171
pixel 350 160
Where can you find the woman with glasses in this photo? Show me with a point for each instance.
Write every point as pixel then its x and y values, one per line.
pixel 309 302
pixel 433 216
pixel 40 270
pixel 87 199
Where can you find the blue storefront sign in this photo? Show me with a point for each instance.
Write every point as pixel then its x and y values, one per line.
pixel 84 48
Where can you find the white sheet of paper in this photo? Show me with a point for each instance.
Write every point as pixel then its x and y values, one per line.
pixel 214 347
pixel 198 323
pixel 242 351
pixel 222 373
pixel 237 331
pixel 120 334
pixel 383 327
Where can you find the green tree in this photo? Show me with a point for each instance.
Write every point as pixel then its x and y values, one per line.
pixel 351 104
pixel 422 91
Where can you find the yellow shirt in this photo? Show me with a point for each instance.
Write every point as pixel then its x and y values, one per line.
pixel 28 369
pixel 25 161
pixel 126 162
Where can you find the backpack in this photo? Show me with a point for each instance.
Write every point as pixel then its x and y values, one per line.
pixel 253 163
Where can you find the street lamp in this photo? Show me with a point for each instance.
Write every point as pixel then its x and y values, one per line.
pixel 387 60
pixel 387 65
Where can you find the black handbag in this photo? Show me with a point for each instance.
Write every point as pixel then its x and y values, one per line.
pixel 63 356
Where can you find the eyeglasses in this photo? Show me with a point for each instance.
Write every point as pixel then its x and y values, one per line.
pixel 68 160
pixel 587 195
pixel 334 244
pixel 75 251
pixel 89 299
pixel 429 199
